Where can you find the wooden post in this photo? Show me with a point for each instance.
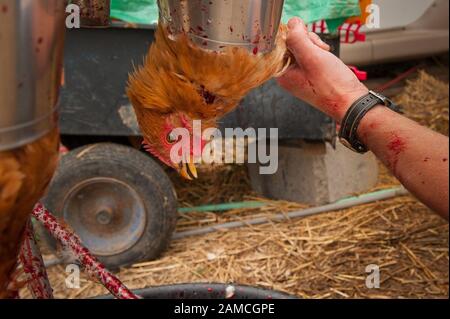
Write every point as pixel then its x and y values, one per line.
pixel 94 13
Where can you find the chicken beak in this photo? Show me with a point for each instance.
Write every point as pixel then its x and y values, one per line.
pixel 188 171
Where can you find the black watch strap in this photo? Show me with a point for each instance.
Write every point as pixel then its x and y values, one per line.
pixel 348 134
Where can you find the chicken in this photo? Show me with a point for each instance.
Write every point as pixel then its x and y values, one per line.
pixel 25 173
pixel 180 82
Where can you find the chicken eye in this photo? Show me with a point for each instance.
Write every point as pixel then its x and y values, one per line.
pixel 171 138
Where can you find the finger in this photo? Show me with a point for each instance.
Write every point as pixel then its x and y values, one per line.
pixel 298 40
pixel 315 38
pixel 292 79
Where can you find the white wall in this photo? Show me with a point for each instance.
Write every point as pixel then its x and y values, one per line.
pixel 398 13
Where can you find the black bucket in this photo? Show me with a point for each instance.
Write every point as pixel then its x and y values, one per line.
pixel 206 291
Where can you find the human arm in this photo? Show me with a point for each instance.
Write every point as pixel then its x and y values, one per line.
pixel 417 156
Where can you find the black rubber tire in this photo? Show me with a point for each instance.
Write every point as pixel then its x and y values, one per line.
pixel 205 291
pixel 138 171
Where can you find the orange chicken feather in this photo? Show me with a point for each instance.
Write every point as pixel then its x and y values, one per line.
pixel 180 82
pixel 25 173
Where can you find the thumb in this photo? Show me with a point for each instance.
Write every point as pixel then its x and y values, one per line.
pixel 298 40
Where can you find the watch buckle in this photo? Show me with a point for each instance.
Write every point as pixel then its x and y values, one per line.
pixel 347 144
pixel 385 100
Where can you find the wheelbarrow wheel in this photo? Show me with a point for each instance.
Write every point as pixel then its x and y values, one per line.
pixel 118 201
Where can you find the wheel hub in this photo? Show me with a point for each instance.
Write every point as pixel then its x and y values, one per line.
pixel 108 215
pixel 104 216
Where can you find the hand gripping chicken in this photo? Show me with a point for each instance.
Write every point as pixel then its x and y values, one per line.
pixel 183 79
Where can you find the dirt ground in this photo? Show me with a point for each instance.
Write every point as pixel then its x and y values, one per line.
pixel 323 256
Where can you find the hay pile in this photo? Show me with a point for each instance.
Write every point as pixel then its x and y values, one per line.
pixel 322 256
pixel 422 104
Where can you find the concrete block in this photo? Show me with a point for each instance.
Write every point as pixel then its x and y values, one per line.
pixel 315 173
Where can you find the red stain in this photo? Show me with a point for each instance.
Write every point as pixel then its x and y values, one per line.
pixel 257 39
pixel 207 96
pixel 4 8
pixel 40 40
pixel 255 51
pixel 373 125
pixel 445 160
pixel 396 146
pixel 427 159
pixel 334 106
pixel 34 268
pixel 91 264
pixel 313 89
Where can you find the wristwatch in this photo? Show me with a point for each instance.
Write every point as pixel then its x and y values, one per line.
pixel 348 133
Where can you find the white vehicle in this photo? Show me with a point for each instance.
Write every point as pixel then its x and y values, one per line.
pixel 408 29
